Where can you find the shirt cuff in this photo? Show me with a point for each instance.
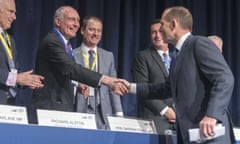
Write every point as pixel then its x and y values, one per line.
pixel 119 114
pixel 12 78
pixel 133 88
pixel 100 80
pixel 162 113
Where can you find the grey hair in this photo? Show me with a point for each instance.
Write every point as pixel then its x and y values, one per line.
pixel 59 12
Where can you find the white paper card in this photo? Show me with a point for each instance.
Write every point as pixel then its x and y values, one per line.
pixel 236 133
pixel 66 119
pixel 131 125
pixel 196 136
pixel 13 114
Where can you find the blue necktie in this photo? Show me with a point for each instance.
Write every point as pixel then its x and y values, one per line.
pixel 174 57
pixel 166 61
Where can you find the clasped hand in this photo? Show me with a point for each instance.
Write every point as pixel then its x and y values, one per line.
pixel 117 85
pixel 30 80
pixel 121 87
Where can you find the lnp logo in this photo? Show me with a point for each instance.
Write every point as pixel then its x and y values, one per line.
pixel 18 110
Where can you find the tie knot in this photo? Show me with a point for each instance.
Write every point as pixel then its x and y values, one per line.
pixel 3 34
pixel 69 46
pixel 176 50
pixel 164 55
pixel 91 52
pixel 68 43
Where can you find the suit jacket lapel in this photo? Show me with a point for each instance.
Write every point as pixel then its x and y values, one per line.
pixel 159 61
pixel 182 54
pixel 79 56
pixel 179 61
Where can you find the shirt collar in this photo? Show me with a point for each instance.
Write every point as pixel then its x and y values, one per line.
pixel 86 49
pixel 1 30
pixel 182 40
pixel 161 52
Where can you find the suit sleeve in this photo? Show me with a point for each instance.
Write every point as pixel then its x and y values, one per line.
pixel 154 90
pixel 67 67
pixel 215 69
pixel 4 76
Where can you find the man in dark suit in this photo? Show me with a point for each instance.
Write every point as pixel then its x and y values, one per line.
pixel 101 101
pixel 152 66
pixel 200 83
pixel 10 79
pixel 55 62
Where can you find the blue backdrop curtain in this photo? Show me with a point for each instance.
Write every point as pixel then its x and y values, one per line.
pixel 126 31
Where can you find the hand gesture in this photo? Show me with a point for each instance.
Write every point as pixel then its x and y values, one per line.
pixel 118 86
pixel 121 87
pixel 30 80
pixel 170 115
pixel 84 90
pixel 207 125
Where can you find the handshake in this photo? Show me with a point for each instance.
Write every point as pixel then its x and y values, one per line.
pixel 118 86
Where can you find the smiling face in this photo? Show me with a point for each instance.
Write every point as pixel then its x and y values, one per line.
pixel 92 32
pixel 156 36
pixel 68 23
pixel 7 13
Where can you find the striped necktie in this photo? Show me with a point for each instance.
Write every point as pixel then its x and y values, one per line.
pixel 69 49
pixel 166 61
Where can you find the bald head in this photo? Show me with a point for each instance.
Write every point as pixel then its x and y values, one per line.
pixel 181 14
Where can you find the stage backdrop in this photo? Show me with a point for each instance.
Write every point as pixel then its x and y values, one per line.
pixel 126 31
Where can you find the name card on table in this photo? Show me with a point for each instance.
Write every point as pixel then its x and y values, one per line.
pixel 131 125
pixel 66 119
pixel 236 131
pixel 13 114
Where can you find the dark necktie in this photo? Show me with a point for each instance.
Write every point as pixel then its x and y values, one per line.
pixel 69 49
pixel 166 61
pixel 91 59
pixel 93 100
pixel 174 57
